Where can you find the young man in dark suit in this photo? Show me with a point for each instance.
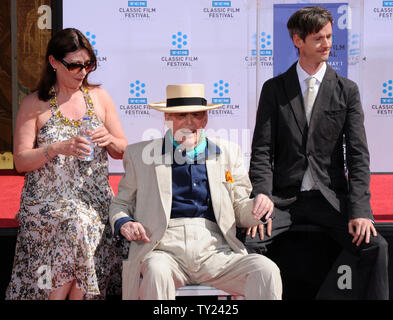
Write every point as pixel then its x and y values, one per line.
pixel 305 117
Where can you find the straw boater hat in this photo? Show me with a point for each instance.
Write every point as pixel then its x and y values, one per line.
pixel 185 98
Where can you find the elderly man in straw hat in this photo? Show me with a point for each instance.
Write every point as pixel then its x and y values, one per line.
pixel 179 203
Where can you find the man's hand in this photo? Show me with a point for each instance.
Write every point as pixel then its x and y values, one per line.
pixel 360 228
pixel 134 231
pixel 263 207
pixel 261 230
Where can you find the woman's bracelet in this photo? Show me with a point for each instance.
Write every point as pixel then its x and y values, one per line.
pixel 46 153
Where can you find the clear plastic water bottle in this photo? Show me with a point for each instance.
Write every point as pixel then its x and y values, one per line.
pixel 86 126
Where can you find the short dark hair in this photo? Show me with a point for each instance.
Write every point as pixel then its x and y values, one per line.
pixel 63 42
pixel 308 20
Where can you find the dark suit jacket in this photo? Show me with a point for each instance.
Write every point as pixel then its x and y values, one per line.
pixel 283 144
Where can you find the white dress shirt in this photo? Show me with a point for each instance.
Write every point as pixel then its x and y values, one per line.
pixel 302 76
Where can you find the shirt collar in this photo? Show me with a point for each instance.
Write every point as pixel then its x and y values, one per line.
pixel 199 149
pixel 205 148
pixel 303 75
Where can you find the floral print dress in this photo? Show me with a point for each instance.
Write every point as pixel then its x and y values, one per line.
pixel 64 232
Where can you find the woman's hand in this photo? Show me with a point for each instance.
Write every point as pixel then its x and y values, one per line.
pixel 101 137
pixel 78 147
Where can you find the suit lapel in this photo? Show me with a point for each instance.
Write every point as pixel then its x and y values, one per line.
pixel 213 169
pixel 295 97
pixel 163 169
pixel 323 98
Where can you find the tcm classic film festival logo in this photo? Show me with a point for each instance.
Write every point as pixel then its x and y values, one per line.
pixel 221 94
pixel 137 10
pixel 264 48
pixel 137 102
pixel 353 48
pixel 385 108
pixel 385 11
pixel 221 10
pixel 179 52
pixel 93 41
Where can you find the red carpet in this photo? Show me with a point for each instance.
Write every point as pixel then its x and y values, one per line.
pixel 381 188
pixel 11 186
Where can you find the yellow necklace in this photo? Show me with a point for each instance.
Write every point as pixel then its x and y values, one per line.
pixel 66 121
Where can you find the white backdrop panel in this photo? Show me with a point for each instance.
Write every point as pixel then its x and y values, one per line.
pixel 218 47
pixel 377 84
pixel 142 46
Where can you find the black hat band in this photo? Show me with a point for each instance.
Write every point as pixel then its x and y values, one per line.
pixel 176 102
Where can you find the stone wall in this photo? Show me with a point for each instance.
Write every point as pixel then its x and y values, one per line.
pixel 33 33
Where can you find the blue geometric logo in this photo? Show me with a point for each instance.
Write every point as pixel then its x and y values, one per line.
pixel 266 44
pixel 137 3
pixel 221 89
pixel 138 91
pixel 92 39
pixel 221 4
pixel 387 3
pixel 179 41
pixel 387 90
pixel 354 44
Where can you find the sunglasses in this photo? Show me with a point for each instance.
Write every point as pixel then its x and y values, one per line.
pixel 194 115
pixel 77 67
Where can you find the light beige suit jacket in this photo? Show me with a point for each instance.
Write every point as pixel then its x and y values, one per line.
pixel 145 194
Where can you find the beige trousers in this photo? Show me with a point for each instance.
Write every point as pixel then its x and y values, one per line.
pixel 193 251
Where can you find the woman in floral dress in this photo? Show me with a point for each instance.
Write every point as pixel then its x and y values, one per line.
pixel 64 247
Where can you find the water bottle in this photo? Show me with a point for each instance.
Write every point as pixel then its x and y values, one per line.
pixel 86 126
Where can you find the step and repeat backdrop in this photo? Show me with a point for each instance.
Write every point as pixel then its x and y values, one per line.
pixel 232 47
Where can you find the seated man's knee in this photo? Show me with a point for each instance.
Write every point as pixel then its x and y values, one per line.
pixel 378 243
pixel 265 279
pixel 383 246
pixel 157 282
pixel 382 243
pixel 156 266
pixel 266 268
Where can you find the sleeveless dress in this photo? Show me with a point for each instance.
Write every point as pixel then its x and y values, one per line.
pixel 64 233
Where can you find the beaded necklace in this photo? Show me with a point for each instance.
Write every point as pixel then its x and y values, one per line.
pixel 66 121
